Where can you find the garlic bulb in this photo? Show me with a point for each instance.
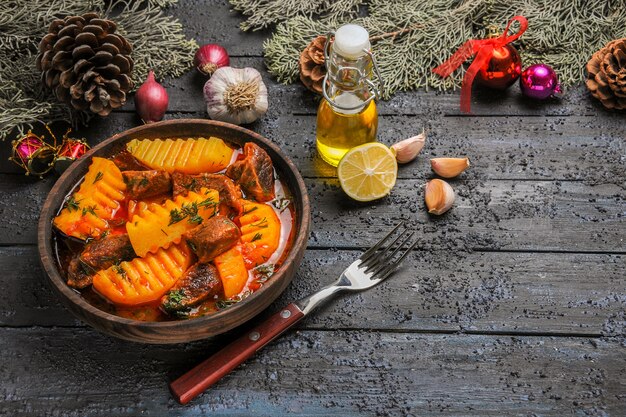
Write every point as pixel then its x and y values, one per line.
pixel 406 150
pixel 235 95
pixel 439 196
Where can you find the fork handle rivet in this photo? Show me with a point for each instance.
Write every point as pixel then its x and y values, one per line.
pixel 285 314
pixel 254 336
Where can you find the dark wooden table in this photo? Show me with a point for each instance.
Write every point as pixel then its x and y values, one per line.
pixel 514 303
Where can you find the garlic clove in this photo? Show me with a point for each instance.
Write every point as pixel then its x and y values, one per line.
pixel 439 196
pixel 407 150
pixel 449 167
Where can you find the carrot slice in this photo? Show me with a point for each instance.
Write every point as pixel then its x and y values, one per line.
pixel 88 210
pixel 232 269
pixel 260 232
pixel 143 280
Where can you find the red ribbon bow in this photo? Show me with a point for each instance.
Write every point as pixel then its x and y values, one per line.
pixel 483 49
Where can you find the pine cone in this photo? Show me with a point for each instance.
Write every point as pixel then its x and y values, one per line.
pixel 86 63
pixel 606 78
pixel 312 66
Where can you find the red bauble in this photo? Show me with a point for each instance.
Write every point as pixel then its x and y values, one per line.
pixel 502 70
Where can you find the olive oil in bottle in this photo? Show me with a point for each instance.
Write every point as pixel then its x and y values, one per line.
pixel 347 115
pixel 338 132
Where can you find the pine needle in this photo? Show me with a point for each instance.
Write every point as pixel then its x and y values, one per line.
pixel 158 43
pixel 561 33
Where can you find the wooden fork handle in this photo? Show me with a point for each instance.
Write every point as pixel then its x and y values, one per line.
pixel 193 383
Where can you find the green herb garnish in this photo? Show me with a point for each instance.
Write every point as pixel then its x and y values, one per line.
pixel 191 212
pixel 86 268
pixel 256 237
pixel 281 203
pixel 119 270
pixel 72 204
pixel 90 209
pixel 222 304
pixel 249 211
pixel 174 301
pixel 99 176
pixel 208 203
pixel 264 272
pixel 191 185
pixel 261 223
pixel 176 296
pixel 175 216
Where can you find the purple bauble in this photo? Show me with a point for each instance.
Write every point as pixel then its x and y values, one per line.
pixel 539 81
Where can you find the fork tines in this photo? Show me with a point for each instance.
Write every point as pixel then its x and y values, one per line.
pixel 380 260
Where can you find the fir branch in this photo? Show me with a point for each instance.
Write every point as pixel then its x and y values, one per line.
pixel 561 33
pixel 158 43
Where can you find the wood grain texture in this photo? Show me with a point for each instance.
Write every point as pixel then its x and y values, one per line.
pixel 532 254
pixel 315 373
pixel 488 215
pixel 557 293
pixel 576 148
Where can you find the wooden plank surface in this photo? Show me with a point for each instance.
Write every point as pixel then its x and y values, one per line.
pixel 488 215
pixel 318 373
pixel 586 148
pixel 489 292
pixel 513 303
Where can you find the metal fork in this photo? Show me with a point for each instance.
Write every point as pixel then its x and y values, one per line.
pixel 371 268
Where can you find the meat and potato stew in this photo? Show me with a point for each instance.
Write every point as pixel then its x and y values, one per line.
pixel 174 228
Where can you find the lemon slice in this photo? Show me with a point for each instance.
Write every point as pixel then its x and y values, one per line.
pixel 368 172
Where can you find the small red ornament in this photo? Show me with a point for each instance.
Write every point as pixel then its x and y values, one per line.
pixel 502 70
pixel 33 154
pixel 506 68
pixel 69 151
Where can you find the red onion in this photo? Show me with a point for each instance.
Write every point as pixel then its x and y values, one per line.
pixel 210 57
pixel 151 100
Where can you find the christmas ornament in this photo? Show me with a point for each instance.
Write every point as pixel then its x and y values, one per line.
pixel 484 50
pixel 33 154
pixel 210 57
pixel 86 63
pixel 606 75
pixel 539 81
pixel 69 151
pixel 151 100
pixel 311 64
pixel 504 67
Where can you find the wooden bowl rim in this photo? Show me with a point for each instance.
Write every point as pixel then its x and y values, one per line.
pixel 44 238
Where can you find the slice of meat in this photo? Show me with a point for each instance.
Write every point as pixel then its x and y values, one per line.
pixel 125 161
pixel 108 251
pixel 98 254
pixel 144 184
pixel 230 194
pixel 197 284
pixel 79 274
pixel 254 173
pixel 213 237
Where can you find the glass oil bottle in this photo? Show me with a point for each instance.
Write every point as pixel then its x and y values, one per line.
pixel 347 115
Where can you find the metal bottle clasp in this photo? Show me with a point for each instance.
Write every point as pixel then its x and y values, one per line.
pixel 377 91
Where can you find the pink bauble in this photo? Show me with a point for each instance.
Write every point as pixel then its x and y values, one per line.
pixel 27 146
pixel 539 81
